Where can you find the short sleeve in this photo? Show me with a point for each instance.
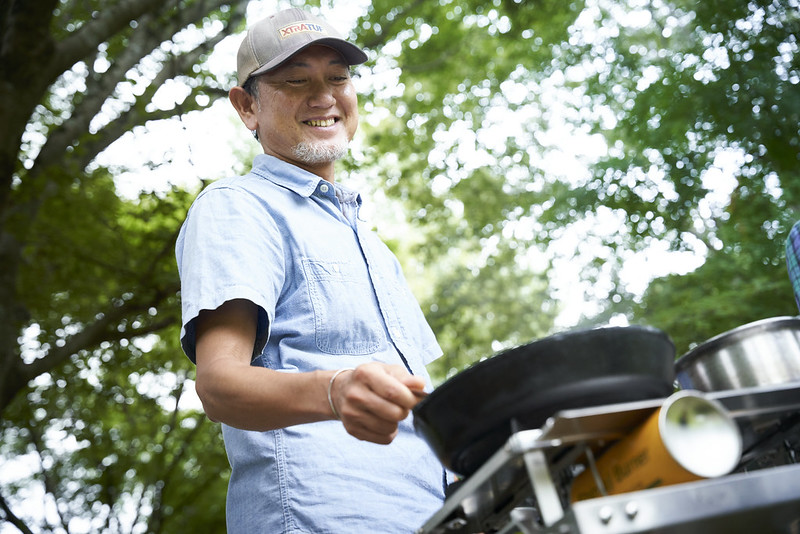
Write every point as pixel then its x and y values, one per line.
pixel 228 248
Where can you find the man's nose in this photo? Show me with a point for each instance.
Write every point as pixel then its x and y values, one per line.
pixel 321 95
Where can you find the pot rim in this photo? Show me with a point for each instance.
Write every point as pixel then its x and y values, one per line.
pixel 731 336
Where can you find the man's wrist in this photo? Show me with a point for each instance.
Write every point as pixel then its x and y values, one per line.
pixel 330 388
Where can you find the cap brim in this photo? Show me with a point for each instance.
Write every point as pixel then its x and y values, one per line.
pixel 351 53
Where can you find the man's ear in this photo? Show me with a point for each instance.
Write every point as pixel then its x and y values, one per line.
pixel 245 105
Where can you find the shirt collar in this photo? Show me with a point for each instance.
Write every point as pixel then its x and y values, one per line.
pixel 298 180
pixel 286 175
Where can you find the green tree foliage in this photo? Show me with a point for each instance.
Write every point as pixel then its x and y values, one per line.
pixel 74 78
pixel 91 427
pixel 470 196
pixel 695 82
pixel 674 88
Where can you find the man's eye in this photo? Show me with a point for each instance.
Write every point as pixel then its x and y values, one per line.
pixel 294 82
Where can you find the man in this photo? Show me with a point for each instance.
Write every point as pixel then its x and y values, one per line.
pixel 310 348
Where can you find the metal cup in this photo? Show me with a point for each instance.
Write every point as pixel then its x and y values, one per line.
pixel 688 438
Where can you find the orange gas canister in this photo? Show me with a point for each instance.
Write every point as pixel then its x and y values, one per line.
pixel 688 438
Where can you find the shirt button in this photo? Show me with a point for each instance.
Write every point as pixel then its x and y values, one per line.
pixel 323 188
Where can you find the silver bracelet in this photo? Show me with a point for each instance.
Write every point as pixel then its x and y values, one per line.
pixel 330 386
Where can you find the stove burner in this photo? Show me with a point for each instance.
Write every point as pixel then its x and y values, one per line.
pixel 524 486
pixel 772 443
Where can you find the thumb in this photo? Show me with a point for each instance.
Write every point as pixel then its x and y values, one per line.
pixel 412 382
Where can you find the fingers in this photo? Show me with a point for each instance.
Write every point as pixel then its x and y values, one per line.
pixel 393 384
pixel 369 391
pixel 374 398
pixel 414 383
pixel 381 433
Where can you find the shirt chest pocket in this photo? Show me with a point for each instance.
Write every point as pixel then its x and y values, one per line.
pixel 347 319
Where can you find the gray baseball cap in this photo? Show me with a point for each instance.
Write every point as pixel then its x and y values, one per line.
pixel 278 37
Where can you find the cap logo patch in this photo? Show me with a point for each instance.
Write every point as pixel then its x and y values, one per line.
pixel 300 27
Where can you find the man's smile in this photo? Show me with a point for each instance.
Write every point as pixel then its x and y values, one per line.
pixel 320 122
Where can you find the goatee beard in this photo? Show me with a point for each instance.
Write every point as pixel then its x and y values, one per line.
pixel 316 153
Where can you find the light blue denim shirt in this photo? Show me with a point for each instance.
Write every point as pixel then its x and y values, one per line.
pixel 330 295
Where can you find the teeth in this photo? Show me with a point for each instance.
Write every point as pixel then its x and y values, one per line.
pixel 326 122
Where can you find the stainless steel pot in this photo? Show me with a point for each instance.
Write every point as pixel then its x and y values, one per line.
pixel 761 353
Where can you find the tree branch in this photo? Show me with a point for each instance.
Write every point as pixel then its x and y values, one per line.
pixel 93 334
pixel 111 20
pixel 49 483
pixel 25 30
pixel 16 379
pixel 154 523
pixel 134 116
pixel 99 88
pixel 12 518
pixel 141 503
pixel 25 45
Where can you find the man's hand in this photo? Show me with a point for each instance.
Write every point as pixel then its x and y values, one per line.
pixel 372 399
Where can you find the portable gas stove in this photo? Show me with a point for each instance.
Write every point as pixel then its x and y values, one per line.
pixel 524 487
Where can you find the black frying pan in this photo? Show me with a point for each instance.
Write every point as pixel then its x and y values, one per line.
pixel 469 417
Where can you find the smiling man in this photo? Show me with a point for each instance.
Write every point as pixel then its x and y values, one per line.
pixel 310 347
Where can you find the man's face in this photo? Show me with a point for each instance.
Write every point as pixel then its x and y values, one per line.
pixel 307 110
